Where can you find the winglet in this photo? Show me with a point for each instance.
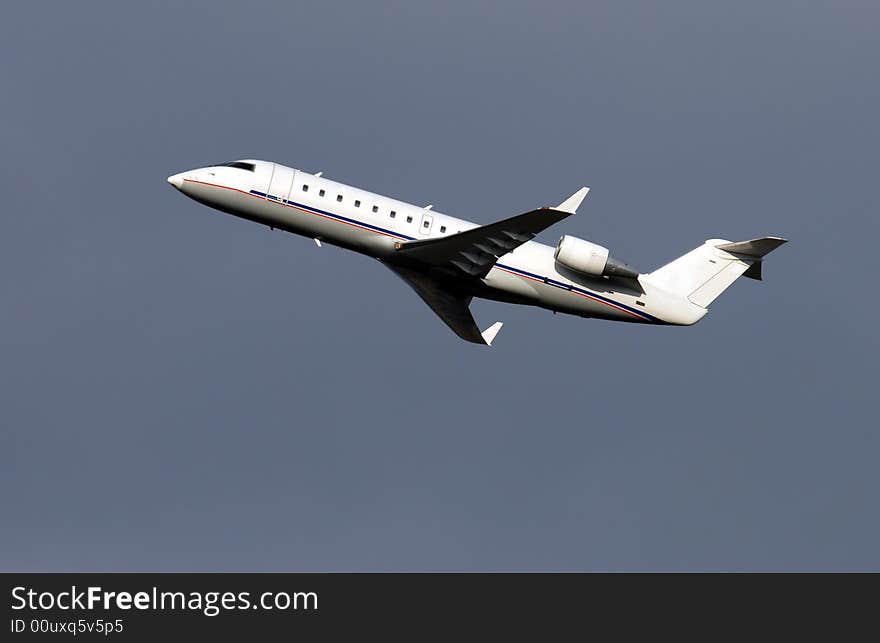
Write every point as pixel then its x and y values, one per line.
pixel 489 333
pixel 571 203
pixel 754 251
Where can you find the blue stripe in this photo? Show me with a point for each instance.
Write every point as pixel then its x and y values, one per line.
pixel 584 291
pixel 334 216
pixel 547 280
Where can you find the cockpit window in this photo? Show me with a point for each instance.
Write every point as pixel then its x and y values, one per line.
pixel 241 165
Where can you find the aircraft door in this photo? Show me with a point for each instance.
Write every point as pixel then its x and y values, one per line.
pixel 426 223
pixel 281 183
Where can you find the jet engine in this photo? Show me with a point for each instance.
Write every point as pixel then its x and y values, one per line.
pixel 590 259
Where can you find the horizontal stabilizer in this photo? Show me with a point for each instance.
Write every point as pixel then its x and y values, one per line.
pixel 754 247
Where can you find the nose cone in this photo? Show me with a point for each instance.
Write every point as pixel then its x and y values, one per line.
pixel 176 180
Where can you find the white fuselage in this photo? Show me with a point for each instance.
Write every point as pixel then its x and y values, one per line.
pixel 313 206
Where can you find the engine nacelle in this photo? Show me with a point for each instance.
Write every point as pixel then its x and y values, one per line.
pixel 581 255
pixel 590 259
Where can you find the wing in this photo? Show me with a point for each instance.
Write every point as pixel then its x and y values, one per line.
pixel 449 305
pixel 474 252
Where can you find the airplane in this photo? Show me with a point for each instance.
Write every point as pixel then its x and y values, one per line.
pixel 449 261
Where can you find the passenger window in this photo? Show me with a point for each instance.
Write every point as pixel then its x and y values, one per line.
pixel 339 198
pixel 357 203
pixel 443 228
pixel 305 188
pixel 320 192
pixel 425 224
pixel 393 214
pixel 409 219
pixel 375 208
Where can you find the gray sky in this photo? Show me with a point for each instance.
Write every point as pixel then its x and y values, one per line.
pixel 182 390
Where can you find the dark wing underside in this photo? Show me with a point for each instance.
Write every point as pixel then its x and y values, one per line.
pixel 450 305
pixel 473 252
pixel 435 268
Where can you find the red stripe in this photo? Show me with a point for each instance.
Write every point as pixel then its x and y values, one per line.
pixel 575 292
pixel 288 205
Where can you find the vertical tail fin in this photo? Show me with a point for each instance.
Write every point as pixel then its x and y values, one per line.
pixel 704 273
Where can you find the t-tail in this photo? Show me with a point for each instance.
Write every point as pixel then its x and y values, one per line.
pixel 704 273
